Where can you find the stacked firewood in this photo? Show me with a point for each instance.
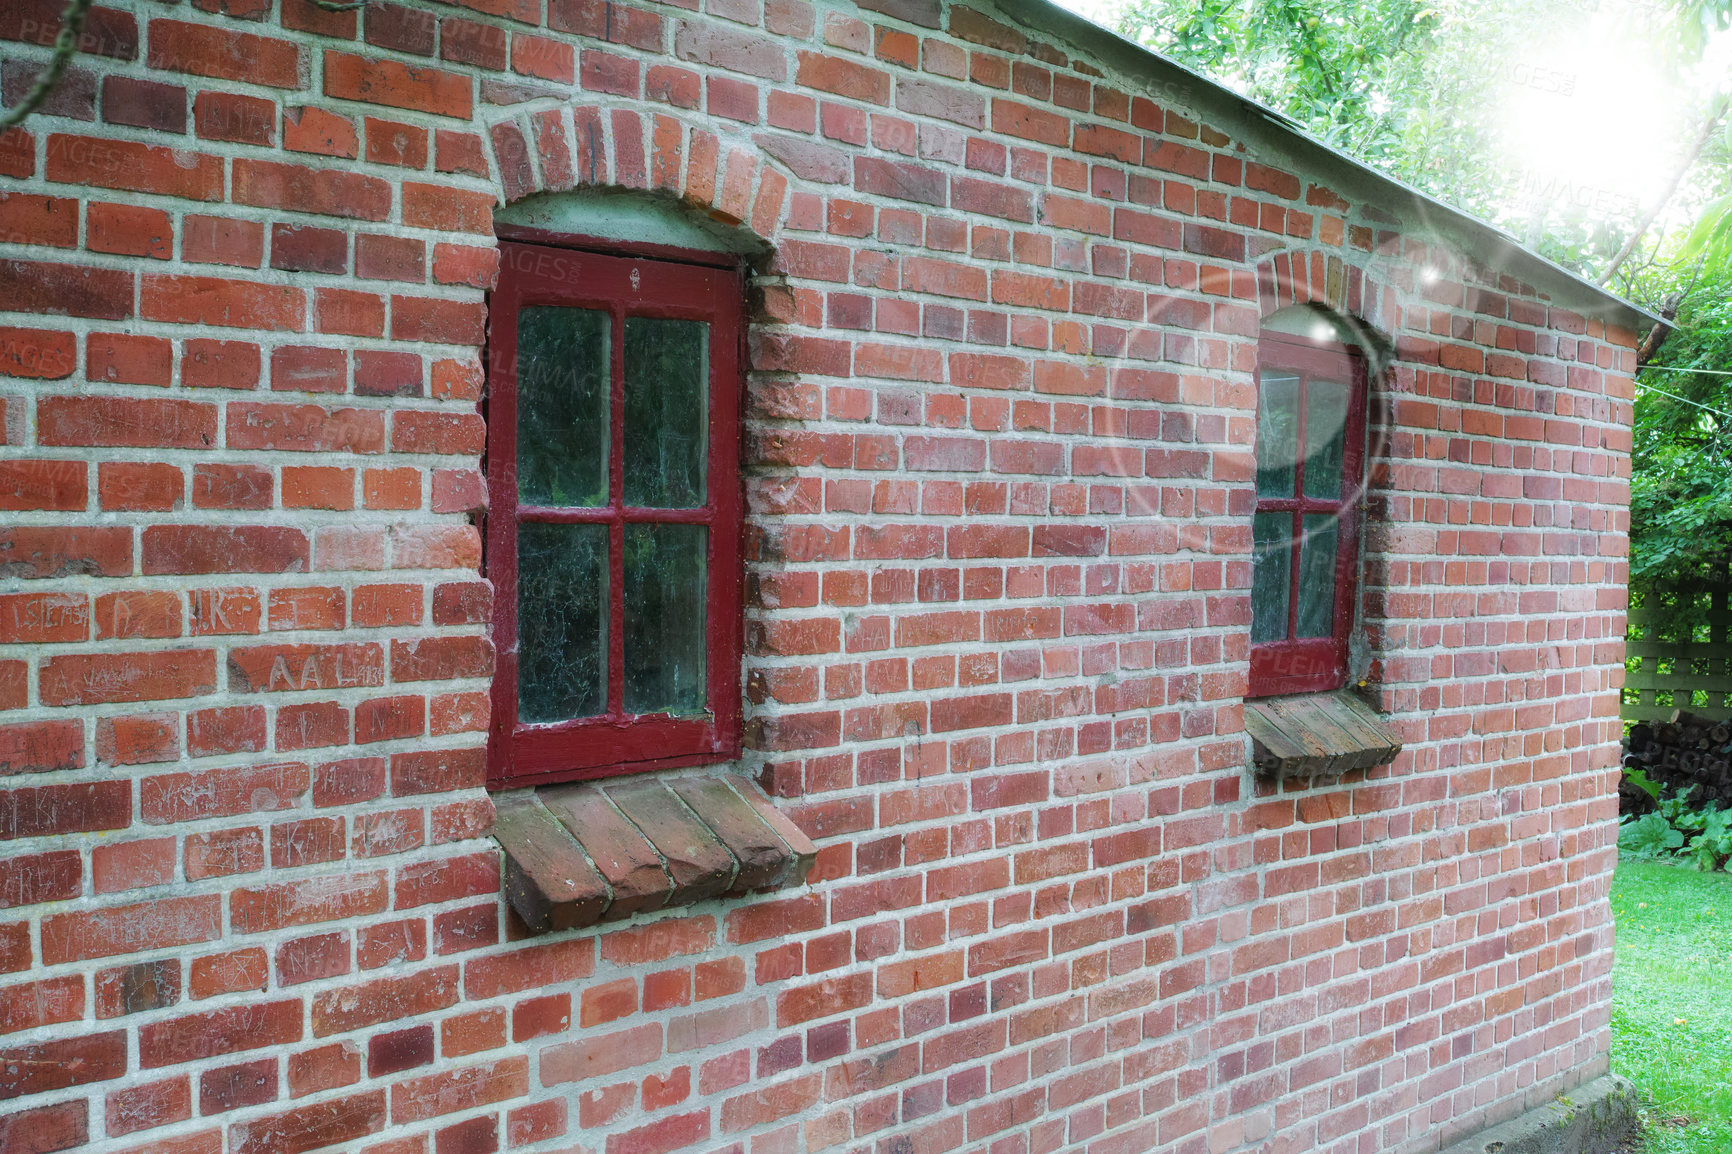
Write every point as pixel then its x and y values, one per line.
pixel 1689 750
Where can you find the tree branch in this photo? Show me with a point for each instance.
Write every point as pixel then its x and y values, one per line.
pixel 65 48
pixel 1708 126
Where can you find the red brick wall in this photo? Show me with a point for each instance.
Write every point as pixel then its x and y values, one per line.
pixel 999 440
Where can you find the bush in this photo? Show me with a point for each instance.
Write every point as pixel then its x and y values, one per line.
pixel 1677 829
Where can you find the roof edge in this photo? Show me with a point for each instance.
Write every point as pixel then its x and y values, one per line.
pixel 1252 123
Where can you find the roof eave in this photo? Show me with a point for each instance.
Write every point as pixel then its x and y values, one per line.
pixel 1250 122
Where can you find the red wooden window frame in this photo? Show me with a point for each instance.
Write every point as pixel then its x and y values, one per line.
pixel 1314 664
pixel 615 742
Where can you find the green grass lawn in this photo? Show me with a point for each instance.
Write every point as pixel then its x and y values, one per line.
pixel 1672 1000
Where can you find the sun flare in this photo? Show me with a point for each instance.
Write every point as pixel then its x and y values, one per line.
pixel 1567 100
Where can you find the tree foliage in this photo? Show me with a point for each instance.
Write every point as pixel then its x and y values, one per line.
pixel 1368 78
pixel 1681 452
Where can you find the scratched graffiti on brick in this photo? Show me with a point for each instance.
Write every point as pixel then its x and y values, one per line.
pixel 285 668
pixel 313 900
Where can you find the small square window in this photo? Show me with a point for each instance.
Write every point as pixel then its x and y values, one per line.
pixel 1305 528
pixel 614 520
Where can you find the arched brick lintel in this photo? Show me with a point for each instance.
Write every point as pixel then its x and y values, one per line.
pixel 587 146
pixel 1321 277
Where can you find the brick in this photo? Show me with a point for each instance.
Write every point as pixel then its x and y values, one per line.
pixel 200 1036
pixel 384 1000
pixel 147 1106
pixel 466 1088
pixel 208 364
pixel 215 301
pixel 132 864
pixel 133 167
pixel 55 552
pixel 304 428
pixel 231 487
pixel 29 879
pixel 45 1129
pixel 210 549
pixel 222 792
pixel 306 902
pixel 444 209
pixel 400 1050
pixel 327 192
pixel 35 1004
pixel 387 82
pixel 326 1123
pixel 137 988
pixel 222 611
pixel 319 132
pixel 124 929
pixel 279 668
pixel 158 675
pixel 139 488
pixel 40 811
pixel 237 119
pixel 128 360
pixel 402 29
pixel 312 959
pixel 65 290
pixel 146 104
pixel 227 973
pixel 224 852
pixel 447 880
pixel 232 1087
pixel 239 729
pixel 39 220
pixel 390 258
pixel 900 181
pixel 37 354
pixel 138 740
pixel 63 1062
pixel 123 421
pixel 528 967
pixel 437 322
pixel 222 53
pixel 106 32
pixel 27 618
pixel 324 1068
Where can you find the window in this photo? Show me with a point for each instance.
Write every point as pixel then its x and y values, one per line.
pixel 613 530
pixel 1305 530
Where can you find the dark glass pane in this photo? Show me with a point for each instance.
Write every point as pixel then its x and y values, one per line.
pixel 1325 437
pixel 665 570
pixel 667 413
pixel 1271 560
pixel 1277 433
pixel 561 621
pixel 1317 575
pixel 564 359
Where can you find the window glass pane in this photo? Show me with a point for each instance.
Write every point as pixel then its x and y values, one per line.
pixel 1277 433
pixel 667 378
pixel 1317 575
pixel 561 621
pixel 564 360
pixel 1271 558
pixel 1325 437
pixel 665 567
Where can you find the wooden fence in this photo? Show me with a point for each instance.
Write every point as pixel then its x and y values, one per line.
pixel 1678 652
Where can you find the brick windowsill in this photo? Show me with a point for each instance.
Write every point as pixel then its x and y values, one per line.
pixel 579 854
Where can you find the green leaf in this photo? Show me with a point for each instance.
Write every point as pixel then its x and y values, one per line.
pixel 1643 782
pixel 1649 836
